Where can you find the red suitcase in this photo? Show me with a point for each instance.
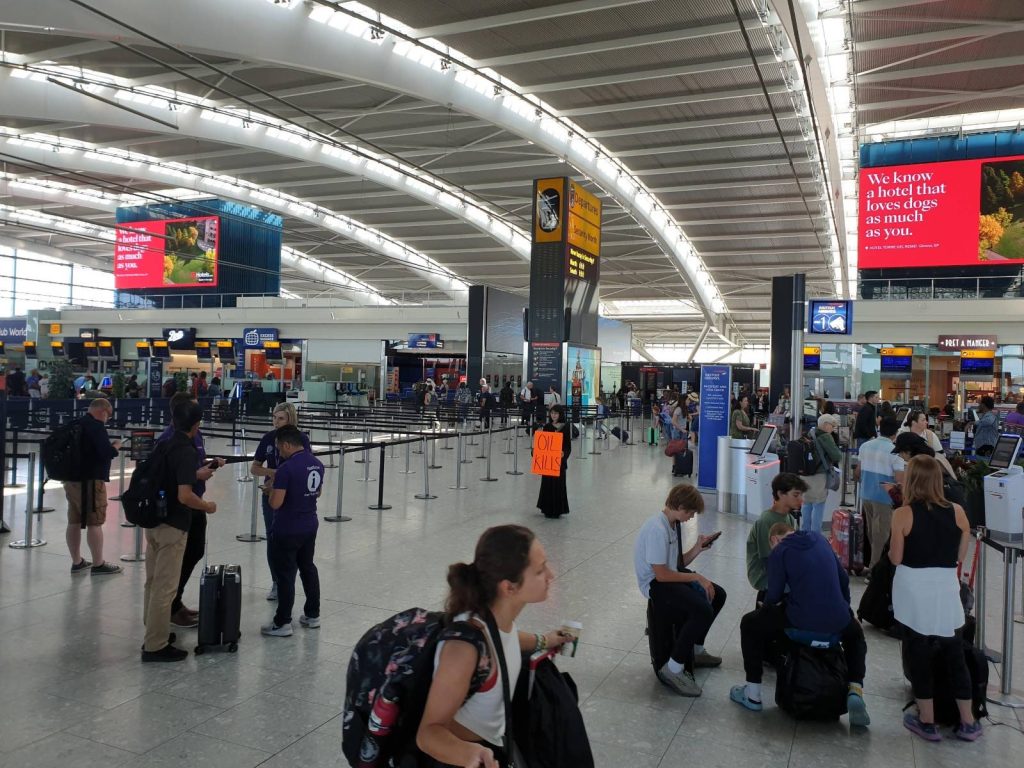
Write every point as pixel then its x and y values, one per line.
pixel 848 539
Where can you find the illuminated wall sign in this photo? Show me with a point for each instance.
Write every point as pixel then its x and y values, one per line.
pixel 142 349
pixel 180 338
pixel 956 343
pixel 897 359
pixel 56 329
pixel 832 317
pixel 812 358
pixel 549 210
pixel 584 220
pixel 254 338
pixel 977 362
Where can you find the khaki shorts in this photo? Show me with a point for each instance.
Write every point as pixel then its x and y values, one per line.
pixel 98 511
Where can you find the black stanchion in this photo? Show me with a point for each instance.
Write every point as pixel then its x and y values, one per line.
pixel 14 463
pixel 488 478
pixel 30 541
pixel 40 482
pixel 380 481
pixel 515 456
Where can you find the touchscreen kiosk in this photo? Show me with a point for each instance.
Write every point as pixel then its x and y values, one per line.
pixel 1004 455
pixel 901 416
pixel 762 441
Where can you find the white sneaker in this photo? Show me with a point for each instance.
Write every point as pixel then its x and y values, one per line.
pixel 272 630
pixel 272 594
pixel 680 682
pixel 310 623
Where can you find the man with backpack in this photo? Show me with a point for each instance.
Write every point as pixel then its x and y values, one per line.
pixel 87 497
pixel 173 467
pixel 808 594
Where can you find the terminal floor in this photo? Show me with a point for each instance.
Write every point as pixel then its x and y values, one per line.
pixel 75 693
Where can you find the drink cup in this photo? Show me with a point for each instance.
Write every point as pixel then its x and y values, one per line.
pixel 572 630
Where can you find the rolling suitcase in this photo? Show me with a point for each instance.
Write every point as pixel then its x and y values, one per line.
pixel 220 607
pixel 848 539
pixel 622 434
pixel 682 464
pixel 652 435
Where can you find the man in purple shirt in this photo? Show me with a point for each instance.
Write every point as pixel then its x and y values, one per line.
pixel 298 481
pixel 1016 418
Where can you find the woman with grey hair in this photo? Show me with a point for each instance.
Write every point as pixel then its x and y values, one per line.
pixel 264 464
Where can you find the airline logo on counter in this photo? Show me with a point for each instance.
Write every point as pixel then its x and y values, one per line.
pixel 549 195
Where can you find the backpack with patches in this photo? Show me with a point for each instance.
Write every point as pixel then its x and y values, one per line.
pixel 388 680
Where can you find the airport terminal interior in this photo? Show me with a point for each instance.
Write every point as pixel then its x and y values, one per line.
pixel 508 262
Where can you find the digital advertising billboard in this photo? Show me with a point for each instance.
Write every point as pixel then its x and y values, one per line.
pixel 167 253
pixel 947 214
pixel 583 375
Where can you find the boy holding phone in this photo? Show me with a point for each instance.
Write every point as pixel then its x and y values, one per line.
pixel 680 597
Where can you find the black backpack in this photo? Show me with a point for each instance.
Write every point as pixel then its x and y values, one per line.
pixel 387 683
pixel 62 452
pixel 141 500
pixel 812 683
pixel 801 457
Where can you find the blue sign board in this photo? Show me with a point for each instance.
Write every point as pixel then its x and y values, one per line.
pixel 834 317
pixel 715 396
pixel 156 377
pixel 253 338
pixel 425 341
pixel 13 330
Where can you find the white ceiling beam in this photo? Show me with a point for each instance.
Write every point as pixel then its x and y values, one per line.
pixel 959 32
pixel 69 255
pixel 725 94
pixel 871 6
pixel 560 10
pixel 56 54
pixel 887 75
pixel 610 44
pixel 639 75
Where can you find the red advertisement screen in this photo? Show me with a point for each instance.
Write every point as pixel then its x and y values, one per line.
pixel 956 213
pixel 171 253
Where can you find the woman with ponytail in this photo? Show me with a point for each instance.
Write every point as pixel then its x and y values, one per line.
pixel 509 571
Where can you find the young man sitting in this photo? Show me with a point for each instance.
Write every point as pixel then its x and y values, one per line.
pixel 298 481
pixel 685 599
pixel 808 590
pixel 788 494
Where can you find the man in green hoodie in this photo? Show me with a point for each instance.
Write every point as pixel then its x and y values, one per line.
pixel 788 493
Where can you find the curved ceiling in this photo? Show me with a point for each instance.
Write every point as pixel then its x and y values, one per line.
pixel 708 191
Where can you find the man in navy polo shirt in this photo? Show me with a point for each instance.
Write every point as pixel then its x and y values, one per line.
pixel 298 482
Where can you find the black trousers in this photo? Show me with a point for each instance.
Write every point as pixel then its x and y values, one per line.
pixel 499 755
pixel 919 655
pixel 766 627
pixel 689 609
pixel 291 554
pixel 195 546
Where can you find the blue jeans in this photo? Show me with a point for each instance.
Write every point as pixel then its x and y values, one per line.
pixel 291 554
pixel 811 516
pixel 268 521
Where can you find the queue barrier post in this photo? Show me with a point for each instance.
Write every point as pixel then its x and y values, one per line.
pixel 242 477
pixel 408 456
pixel 253 535
pixel 366 463
pixel 488 478
pixel 979 601
pixel 14 462
pixel 426 474
pixel 515 456
pixel 337 517
pixel 30 541
pixel 40 487
pixel 458 466
pixel 137 555
pixel 433 451
pixel 593 437
pixel 330 441
pixel 1005 694
pixel 380 505
pixel 120 476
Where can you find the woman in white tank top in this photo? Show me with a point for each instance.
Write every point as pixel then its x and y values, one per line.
pixel 509 570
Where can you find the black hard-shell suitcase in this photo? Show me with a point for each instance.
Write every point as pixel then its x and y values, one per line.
pixel 682 464
pixel 220 607
pixel 622 434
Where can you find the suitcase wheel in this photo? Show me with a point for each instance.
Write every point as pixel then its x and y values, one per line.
pixel 232 647
pixel 200 650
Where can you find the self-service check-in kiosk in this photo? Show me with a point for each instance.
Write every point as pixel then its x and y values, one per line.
pixel 1004 492
pixel 761 471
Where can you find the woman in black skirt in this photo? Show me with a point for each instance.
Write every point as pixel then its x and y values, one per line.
pixel 553 500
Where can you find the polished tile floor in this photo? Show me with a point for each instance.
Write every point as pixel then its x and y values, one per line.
pixel 74 692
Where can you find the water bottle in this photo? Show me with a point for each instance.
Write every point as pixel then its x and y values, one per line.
pixel 161 505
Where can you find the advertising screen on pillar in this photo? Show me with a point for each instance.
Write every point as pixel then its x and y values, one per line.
pixel 170 253
pixel 956 213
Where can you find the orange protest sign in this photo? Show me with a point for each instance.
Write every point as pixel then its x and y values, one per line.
pixel 547 453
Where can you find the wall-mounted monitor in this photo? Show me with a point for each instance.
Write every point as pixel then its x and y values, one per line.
pixel 106 349
pixel 161 349
pixel 945 214
pixel 57 348
pixel 226 349
pixel 273 351
pixel 977 362
pixel 91 349
pixel 30 349
pixel 812 358
pixel 167 253
pixel 142 350
pixel 831 317
pixel 897 360
pixel 203 351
